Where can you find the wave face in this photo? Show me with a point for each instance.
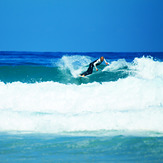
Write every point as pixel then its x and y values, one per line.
pixel 64 70
pixel 125 97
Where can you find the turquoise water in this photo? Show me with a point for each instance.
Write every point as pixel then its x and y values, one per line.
pixel 33 74
pixel 50 148
pixel 49 114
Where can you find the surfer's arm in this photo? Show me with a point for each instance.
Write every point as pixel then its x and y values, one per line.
pixel 96 64
pixel 95 67
pixel 106 62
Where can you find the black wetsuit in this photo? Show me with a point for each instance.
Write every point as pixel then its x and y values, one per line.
pixel 91 65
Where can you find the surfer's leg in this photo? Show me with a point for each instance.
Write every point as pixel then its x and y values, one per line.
pixel 89 71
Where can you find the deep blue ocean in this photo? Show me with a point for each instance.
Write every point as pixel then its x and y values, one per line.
pixel 50 114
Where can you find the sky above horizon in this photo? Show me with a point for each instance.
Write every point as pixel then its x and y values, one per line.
pixel 81 25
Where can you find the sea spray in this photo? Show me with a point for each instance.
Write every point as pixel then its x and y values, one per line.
pixel 128 104
pixel 49 97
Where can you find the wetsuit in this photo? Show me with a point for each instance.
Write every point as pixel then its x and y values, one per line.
pixel 91 65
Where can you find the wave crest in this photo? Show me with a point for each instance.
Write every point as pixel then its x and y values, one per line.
pixel 128 104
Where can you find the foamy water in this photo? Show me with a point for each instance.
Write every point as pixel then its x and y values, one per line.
pixel 132 104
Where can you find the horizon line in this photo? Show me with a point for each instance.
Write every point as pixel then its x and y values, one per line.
pixel 22 51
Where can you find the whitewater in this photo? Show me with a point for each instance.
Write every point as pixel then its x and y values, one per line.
pixel 124 98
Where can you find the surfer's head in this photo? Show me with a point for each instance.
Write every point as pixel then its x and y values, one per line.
pixel 102 58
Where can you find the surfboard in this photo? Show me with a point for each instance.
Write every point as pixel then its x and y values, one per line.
pixel 83 76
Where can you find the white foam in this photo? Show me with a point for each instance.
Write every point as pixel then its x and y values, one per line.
pixel 147 68
pixel 144 67
pixel 131 104
pixel 115 65
pixel 128 104
pixel 75 64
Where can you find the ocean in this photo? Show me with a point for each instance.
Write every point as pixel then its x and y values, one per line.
pixel 50 114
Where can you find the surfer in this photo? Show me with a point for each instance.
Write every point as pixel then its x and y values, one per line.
pixel 93 64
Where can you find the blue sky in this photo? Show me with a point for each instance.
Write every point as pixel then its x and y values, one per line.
pixel 81 25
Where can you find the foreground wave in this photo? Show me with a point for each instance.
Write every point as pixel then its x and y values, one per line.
pixel 129 105
pixel 124 97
